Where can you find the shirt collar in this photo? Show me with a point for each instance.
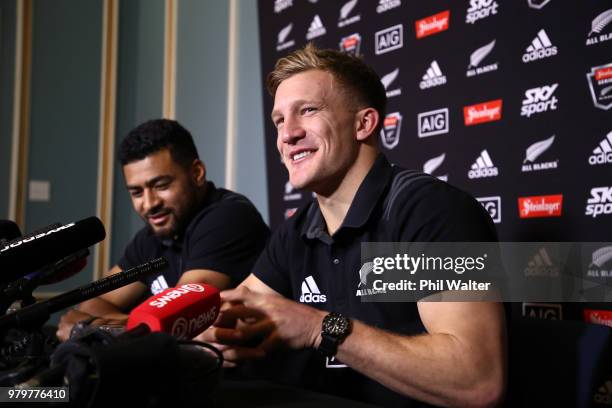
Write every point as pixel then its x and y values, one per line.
pixel 368 194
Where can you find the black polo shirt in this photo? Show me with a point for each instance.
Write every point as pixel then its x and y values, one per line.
pixel 226 235
pixel 304 263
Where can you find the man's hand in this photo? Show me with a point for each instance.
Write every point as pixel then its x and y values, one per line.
pixel 73 316
pixel 250 324
pixel 67 322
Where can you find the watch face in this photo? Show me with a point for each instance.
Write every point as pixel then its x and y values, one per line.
pixel 336 324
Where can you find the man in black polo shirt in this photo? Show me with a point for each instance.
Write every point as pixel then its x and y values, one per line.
pixel 328 108
pixel 208 234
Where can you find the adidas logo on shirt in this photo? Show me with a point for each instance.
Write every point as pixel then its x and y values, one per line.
pixel 316 28
pixel 483 167
pixel 311 292
pixel 159 285
pixel 602 154
pixel 433 76
pixel 541 47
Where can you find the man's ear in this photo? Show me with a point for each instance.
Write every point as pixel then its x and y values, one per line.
pixel 367 121
pixel 198 172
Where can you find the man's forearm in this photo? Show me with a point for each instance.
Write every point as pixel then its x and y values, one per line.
pixel 101 308
pixel 436 368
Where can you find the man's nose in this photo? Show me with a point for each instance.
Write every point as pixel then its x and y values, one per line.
pixel 292 131
pixel 150 200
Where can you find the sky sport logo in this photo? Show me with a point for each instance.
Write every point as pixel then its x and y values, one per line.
pixel 480 9
pixel 546 311
pixel 476 58
pixel 600 202
pixel 351 44
pixel 387 80
pixel 432 24
pixel 280 5
pixel 601 267
pixel 493 206
pixel 390 132
pixel 483 167
pixel 602 154
pixel 282 43
pixel 482 112
pixel 433 123
pixel 389 39
pixel 311 292
pixel 345 18
pixel 539 100
pixel 536 150
pixel 433 77
pixel 540 206
pixel 600 85
pixel 386 5
pixel 316 29
pixel 433 164
pixel 541 47
pixel 603 22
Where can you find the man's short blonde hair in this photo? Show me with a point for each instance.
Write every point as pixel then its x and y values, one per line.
pixel 355 76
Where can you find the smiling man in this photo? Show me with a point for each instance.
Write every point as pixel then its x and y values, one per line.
pixel 208 234
pixel 301 307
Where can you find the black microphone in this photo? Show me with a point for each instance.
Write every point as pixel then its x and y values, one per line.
pixel 8 231
pixel 21 289
pixel 36 314
pixel 22 256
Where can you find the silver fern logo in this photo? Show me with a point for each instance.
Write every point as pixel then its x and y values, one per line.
pixel 536 150
pixel 433 164
pixel 476 58
pixel 600 23
pixel 600 266
pixel 345 11
pixel 387 80
pixel 282 42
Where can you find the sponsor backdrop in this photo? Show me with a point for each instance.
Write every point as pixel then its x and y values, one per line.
pixel 508 100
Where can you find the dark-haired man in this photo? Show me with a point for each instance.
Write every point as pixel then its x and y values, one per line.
pixel 328 108
pixel 208 234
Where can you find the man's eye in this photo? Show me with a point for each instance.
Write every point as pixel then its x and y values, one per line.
pixel 309 109
pixel 278 122
pixel 162 186
pixel 135 193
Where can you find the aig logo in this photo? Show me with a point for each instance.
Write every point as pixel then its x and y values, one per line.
pixel 542 311
pixel 493 207
pixel 389 39
pixel 433 122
